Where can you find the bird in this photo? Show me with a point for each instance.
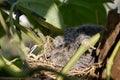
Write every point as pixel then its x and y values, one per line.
pixel 67 44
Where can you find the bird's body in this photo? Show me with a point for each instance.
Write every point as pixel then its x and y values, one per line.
pixel 66 45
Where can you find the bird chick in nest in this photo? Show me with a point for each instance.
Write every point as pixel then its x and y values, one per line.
pixel 66 45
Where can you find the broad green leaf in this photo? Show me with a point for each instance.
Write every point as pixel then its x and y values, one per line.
pixel 77 12
pixel 46 9
pixel 96 1
pixel 12 1
pixel 38 21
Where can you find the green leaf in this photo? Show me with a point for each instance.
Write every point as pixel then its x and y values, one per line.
pixel 2 22
pixel 1 1
pixel 38 20
pixel 29 33
pixel 12 69
pixel 44 8
pixel 77 12
pixel 96 1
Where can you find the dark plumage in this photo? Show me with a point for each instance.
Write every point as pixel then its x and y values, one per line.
pixel 67 45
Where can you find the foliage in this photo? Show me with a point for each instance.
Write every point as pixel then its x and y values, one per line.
pixel 46 17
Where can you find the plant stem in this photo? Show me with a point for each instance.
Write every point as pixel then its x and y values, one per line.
pixel 111 59
pixel 11 68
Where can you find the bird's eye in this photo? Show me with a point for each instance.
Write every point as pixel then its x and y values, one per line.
pixel 48 57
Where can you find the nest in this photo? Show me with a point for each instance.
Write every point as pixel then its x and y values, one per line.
pixel 77 73
pixel 58 51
